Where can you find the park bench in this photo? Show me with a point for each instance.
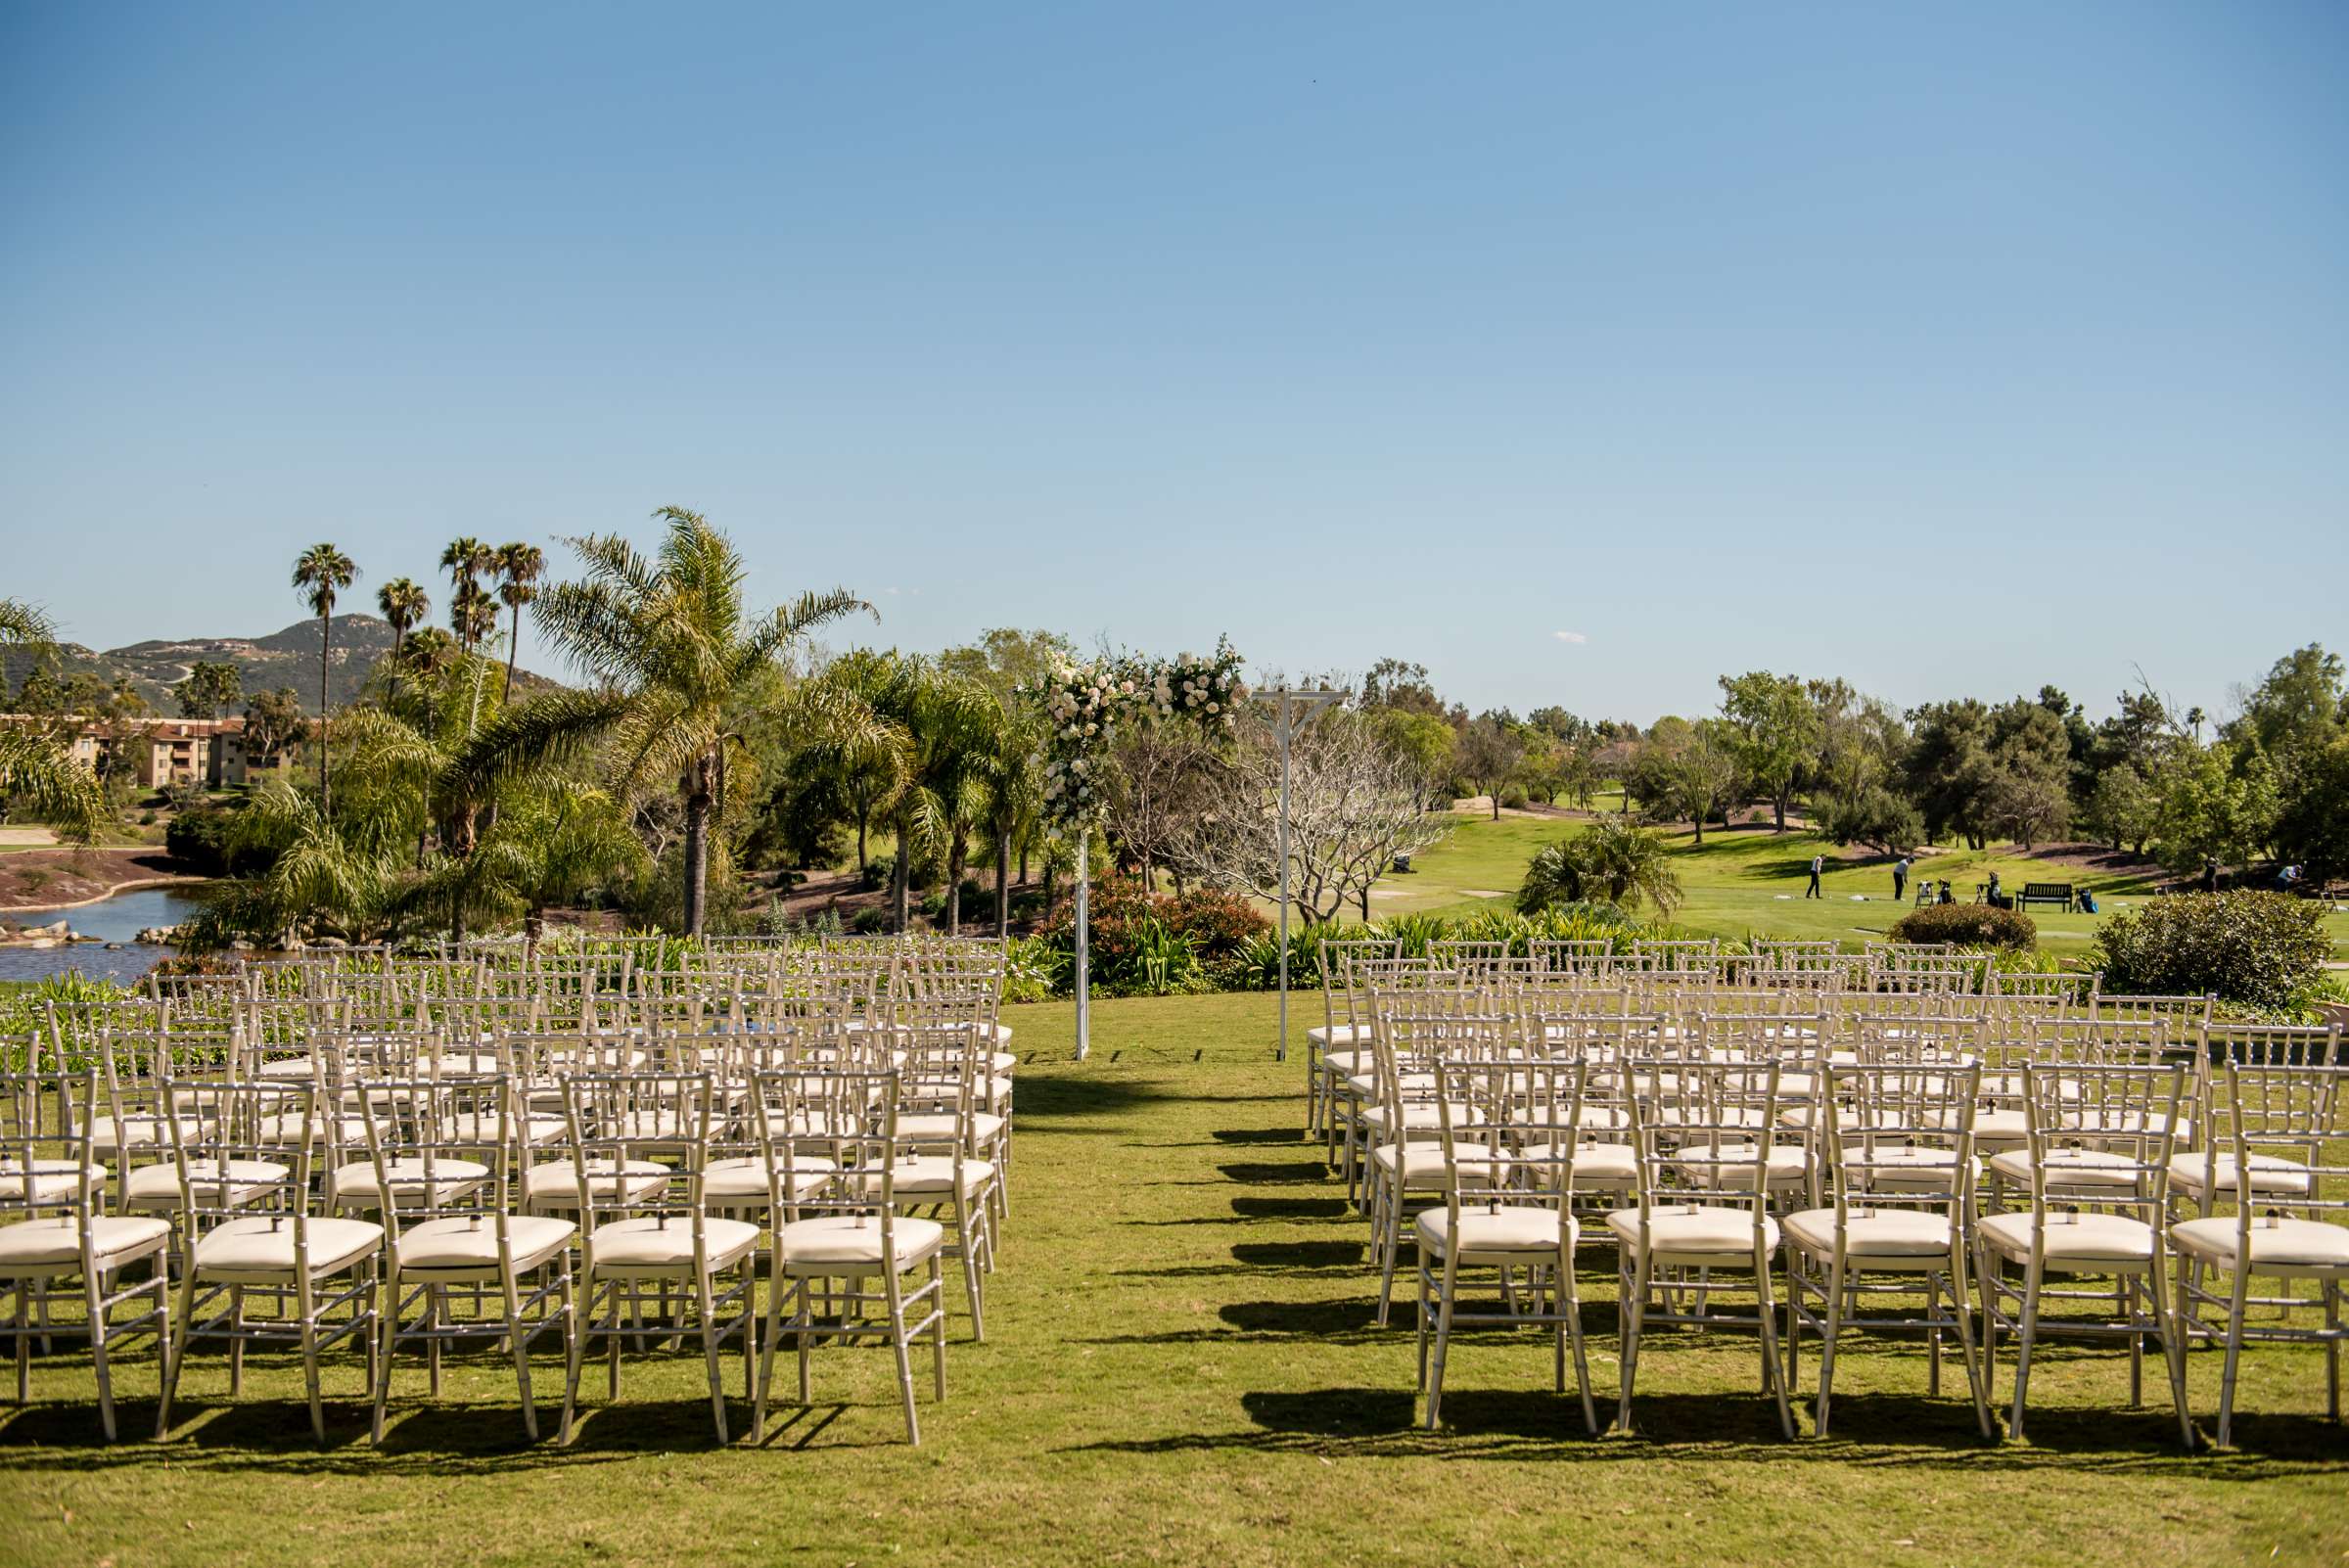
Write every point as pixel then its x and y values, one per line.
pixel 2058 894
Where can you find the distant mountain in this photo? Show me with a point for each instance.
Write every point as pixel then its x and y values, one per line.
pixel 287 657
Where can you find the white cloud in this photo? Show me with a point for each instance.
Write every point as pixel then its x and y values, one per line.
pixel 1569 636
pixel 891 593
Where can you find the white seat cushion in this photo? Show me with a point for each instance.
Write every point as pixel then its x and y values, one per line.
pixel 851 1244
pixel 2071 1170
pixel 42 1181
pixel 156 1186
pixel 1597 1166
pixel 1345 1064
pixel 556 1184
pixel 1505 1234
pixel 1910 1168
pixel 40 1247
pixel 467 1246
pixel 740 1181
pixel 930 1175
pixel 2270 1174
pixel 1873 1233
pixel 2309 1248
pixel 933 1127
pixel 261 1248
pixel 144 1130
pixel 2076 1241
pixel 648 1246
pixel 452 1181
pixel 1327 1035
pixel 1696 1232
pixel 1422 1163
pixel 1789 1165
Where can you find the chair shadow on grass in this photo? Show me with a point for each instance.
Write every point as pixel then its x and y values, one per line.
pixel 1871 1430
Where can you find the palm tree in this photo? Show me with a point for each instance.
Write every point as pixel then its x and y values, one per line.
pixel 672 648
pixel 518 568
pixel 32 765
pixel 1014 799
pixel 466 559
pixel 403 605
pixel 318 571
pixel 1610 860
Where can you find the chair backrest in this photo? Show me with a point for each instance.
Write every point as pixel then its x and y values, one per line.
pixel 245 1150
pixel 1901 1137
pixel 1510 1132
pixel 848 1117
pixel 442 1148
pixel 2131 1113
pixel 2295 1115
pixel 1703 1133
pixel 619 1120
pixel 48 1163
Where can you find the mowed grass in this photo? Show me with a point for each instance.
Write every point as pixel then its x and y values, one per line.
pixel 1182 1367
pixel 1749 880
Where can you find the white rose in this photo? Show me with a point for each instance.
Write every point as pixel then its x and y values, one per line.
pixel 1214 708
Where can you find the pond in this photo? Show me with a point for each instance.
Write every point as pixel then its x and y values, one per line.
pixel 116 919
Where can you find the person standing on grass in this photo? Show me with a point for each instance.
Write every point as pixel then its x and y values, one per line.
pixel 1817 861
pixel 1899 879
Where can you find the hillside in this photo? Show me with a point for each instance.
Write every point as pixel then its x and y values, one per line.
pixel 285 658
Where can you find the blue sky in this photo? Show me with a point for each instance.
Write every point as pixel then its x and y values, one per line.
pixel 1951 350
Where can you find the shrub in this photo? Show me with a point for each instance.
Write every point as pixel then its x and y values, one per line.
pixel 869 921
pixel 1130 925
pixel 1512 798
pixel 2260 949
pixel 1970 925
pixel 203 838
pixel 877 872
pixel 1878 819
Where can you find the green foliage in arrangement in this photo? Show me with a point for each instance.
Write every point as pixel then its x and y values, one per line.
pixel 1970 925
pixel 2261 950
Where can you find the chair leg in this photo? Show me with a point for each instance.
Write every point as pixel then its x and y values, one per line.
pixel 2237 1305
pixel 938 1333
pixel 708 1312
pixel 2172 1333
pixel 902 1348
pixel 386 1332
pixel 521 1358
pixel 1570 1307
pixel 1986 1293
pixel 2332 1349
pixel 967 1243
pixel 1770 1370
pixel 309 1370
pixel 2033 1274
pixel 1635 1317
pixel 1975 1380
pixel 94 1291
pixel 1828 1336
pixel 236 1340
pixel 1434 1382
pixel 574 1342
pixel 173 1358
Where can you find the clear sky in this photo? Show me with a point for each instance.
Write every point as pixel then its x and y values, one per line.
pixel 1580 353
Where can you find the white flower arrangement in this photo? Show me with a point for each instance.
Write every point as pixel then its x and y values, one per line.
pixel 1086 703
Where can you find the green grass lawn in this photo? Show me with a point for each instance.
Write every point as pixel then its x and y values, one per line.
pixel 1750 881
pixel 1181 1369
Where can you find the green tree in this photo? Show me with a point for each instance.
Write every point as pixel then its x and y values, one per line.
pixel 518 568
pixel 1686 770
pixel 2217 801
pixel 2123 809
pixel 209 689
pixel 1488 748
pixel 1773 728
pixel 35 769
pixel 671 646
pixel 1610 860
pixel 2312 823
pixel 2300 702
pixel 404 606
pixel 467 560
pixel 320 574
pixel 275 724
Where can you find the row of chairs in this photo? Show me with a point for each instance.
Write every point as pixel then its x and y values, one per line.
pixel 1975 1174
pixel 400 1189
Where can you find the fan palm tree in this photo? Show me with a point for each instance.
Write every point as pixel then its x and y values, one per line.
pixel 403 605
pixel 1610 860
pixel 672 647
pixel 467 560
pixel 518 568
pixel 1014 797
pixel 319 572
pixel 32 765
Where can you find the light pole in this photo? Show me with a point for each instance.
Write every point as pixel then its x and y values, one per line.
pixel 1295 709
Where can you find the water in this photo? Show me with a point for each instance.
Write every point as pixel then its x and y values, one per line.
pixel 116 919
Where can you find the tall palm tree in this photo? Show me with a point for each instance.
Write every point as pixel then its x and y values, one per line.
pixel 318 572
pixel 518 568
pixel 671 646
pixel 467 560
pixel 1014 797
pixel 403 605
pixel 33 764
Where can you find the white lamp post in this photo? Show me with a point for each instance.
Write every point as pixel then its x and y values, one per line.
pixel 1294 708
pixel 1084 1010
